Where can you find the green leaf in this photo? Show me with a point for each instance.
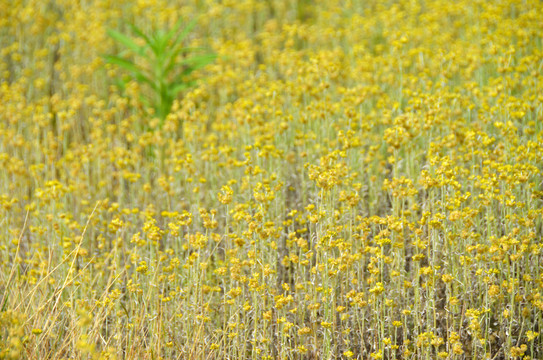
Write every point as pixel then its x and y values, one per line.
pixel 199 60
pixel 161 46
pixel 176 88
pixel 179 37
pixel 147 39
pixel 131 67
pixel 163 39
pixel 172 56
pixel 119 61
pixel 180 77
pixel 121 84
pixel 194 63
pixel 145 101
pixel 126 41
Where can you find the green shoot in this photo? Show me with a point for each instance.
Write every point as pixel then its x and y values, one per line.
pixel 168 64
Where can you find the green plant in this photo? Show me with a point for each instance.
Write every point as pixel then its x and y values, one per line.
pixel 164 65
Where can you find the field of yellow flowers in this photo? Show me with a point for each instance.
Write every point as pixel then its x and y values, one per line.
pixel 348 179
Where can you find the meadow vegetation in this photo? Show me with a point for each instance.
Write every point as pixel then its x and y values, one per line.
pixel 347 179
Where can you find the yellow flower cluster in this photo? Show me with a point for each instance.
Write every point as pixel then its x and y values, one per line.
pixel 348 179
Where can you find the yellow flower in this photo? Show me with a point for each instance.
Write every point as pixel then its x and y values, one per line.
pixel 326 325
pixel 225 196
pixel 531 335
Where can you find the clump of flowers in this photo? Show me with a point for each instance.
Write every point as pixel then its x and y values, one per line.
pixel 351 180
